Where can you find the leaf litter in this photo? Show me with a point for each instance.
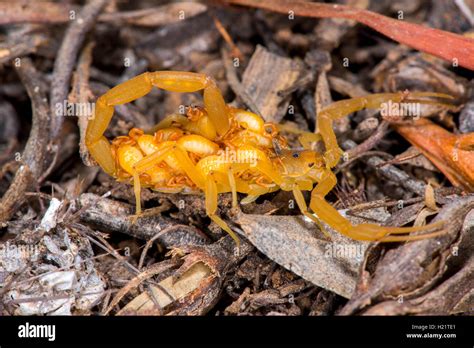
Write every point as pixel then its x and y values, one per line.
pixel 90 257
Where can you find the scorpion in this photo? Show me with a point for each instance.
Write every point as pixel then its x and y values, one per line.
pixel 191 153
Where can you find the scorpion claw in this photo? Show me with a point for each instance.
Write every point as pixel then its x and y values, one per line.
pixel 332 157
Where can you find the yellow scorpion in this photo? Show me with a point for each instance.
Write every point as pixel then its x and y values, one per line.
pixel 218 148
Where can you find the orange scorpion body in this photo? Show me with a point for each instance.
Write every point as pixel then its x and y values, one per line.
pixel 218 148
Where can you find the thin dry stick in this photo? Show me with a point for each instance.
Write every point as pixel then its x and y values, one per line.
pixel 442 44
pixel 28 45
pixel 53 12
pixel 390 172
pixel 400 159
pixel 35 154
pixel 81 93
pixel 140 278
pixel 66 59
pixel 360 155
pixel 362 150
pixel 371 141
pixel 384 203
pixel 34 12
pixel 150 242
pixel 225 34
pixel 104 245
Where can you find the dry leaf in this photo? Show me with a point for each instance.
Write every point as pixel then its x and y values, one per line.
pixel 301 248
pixel 439 146
pixel 266 75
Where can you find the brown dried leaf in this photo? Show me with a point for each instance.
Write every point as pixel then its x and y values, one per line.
pixel 440 147
pixel 266 75
pixel 418 72
pixel 291 242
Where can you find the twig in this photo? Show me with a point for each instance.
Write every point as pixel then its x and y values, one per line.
pixel 66 58
pixel 28 44
pixel 113 216
pixel 371 141
pixel 465 10
pixel 150 242
pixel 81 93
pixel 225 34
pixel 8 133
pixel 34 12
pixel 363 149
pixel 360 155
pixel 384 203
pixel 35 154
pixel 52 12
pixel 390 172
pixel 151 271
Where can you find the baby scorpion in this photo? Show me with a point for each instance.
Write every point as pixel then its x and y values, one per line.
pixel 190 154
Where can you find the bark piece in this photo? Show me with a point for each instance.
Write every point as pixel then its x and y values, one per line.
pixel 266 75
pixel 112 216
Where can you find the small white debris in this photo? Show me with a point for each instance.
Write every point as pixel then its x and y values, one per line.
pixel 58 281
pixel 50 218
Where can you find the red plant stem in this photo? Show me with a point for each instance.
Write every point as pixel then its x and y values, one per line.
pixel 449 46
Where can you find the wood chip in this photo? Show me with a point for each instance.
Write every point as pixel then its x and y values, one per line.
pixel 168 291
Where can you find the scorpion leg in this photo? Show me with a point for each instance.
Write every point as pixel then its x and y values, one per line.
pixel 158 157
pixel 300 201
pixel 98 145
pixel 254 193
pixel 137 191
pixel 345 107
pixel 211 207
pixel 233 186
pixel 181 157
pixel 257 160
pixel 365 231
pixel 141 166
pixel 127 157
pixel 188 167
pixel 180 81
